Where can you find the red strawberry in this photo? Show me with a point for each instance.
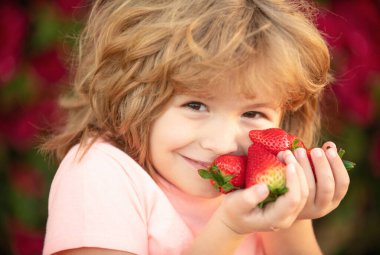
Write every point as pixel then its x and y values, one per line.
pixel 347 164
pixel 227 173
pixel 265 167
pixel 308 153
pixel 275 140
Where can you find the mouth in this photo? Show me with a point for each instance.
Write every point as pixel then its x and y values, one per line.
pixel 197 163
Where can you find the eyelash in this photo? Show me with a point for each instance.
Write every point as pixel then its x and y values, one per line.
pixel 255 113
pixel 194 105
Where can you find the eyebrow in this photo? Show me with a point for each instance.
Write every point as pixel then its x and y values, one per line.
pixel 205 96
pixel 273 106
pixel 245 105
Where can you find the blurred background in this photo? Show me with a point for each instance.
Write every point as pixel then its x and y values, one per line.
pixel 36 37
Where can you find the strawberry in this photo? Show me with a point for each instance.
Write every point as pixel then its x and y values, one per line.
pixel 227 173
pixel 264 167
pixel 308 153
pixel 347 164
pixel 231 172
pixel 275 140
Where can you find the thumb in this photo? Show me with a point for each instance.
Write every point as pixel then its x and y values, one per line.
pixel 252 196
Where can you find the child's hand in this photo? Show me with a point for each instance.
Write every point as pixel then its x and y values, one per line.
pixel 240 212
pixel 327 185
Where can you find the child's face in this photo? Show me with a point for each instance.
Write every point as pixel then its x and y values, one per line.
pixel 193 131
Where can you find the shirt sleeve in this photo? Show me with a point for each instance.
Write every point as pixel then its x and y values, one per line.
pixel 94 203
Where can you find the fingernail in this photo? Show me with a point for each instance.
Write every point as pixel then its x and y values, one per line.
pixel 330 145
pixel 317 152
pixel 289 157
pixel 261 188
pixel 300 153
pixel 332 153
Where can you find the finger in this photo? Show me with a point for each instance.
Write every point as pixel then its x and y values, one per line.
pixel 280 156
pixel 237 207
pixel 283 212
pixel 303 160
pixel 341 177
pixel 324 176
pixel 328 145
pixel 249 198
pixel 290 158
pixel 287 204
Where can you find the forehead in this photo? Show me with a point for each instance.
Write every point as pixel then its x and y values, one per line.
pixel 240 83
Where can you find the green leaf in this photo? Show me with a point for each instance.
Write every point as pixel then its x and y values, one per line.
pixel 205 174
pixel 221 181
pixel 341 152
pixel 295 144
pixel 218 177
pixel 348 164
pixel 216 186
pixel 228 177
pixel 228 187
pixel 18 91
pixel 26 208
pixel 270 198
pixel 47 28
pixel 273 195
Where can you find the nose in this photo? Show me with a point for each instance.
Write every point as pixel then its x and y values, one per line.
pixel 221 137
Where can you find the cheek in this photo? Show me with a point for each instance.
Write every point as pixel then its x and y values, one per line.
pixel 170 132
pixel 244 140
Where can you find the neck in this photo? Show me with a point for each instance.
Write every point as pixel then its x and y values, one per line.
pixel 194 210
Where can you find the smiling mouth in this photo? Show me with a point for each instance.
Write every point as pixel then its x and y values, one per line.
pixel 198 164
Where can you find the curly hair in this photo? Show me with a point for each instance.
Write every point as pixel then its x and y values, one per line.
pixel 134 55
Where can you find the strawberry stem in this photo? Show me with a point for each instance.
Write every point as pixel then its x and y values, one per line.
pixel 296 144
pixel 273 195
pixel 221 181
pixel 347 164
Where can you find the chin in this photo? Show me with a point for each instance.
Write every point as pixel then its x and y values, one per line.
pixel 204 192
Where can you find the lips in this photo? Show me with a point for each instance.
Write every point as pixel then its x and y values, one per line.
pixel 197 163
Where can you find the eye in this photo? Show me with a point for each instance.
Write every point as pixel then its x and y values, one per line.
pixel 196 106
pixel 253 115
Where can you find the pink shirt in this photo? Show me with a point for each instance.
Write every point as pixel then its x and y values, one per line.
pixel 107 200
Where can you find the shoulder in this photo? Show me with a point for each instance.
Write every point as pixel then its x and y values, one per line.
pixel 102 156
pixel 101 165
pixel 104 177
pixel 92 251
pixel 101 199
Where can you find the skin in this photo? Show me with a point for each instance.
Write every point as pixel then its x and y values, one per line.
pixel 205 128
pixel 193 131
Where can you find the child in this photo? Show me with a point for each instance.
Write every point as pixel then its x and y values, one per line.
pixel 161 89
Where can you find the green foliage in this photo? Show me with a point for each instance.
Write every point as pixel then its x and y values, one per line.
pixel 29 78
pixel 25 175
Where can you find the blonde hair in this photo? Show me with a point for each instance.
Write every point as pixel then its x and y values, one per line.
pixel 134 55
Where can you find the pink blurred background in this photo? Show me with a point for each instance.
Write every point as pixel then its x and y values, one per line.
pixel 36 38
